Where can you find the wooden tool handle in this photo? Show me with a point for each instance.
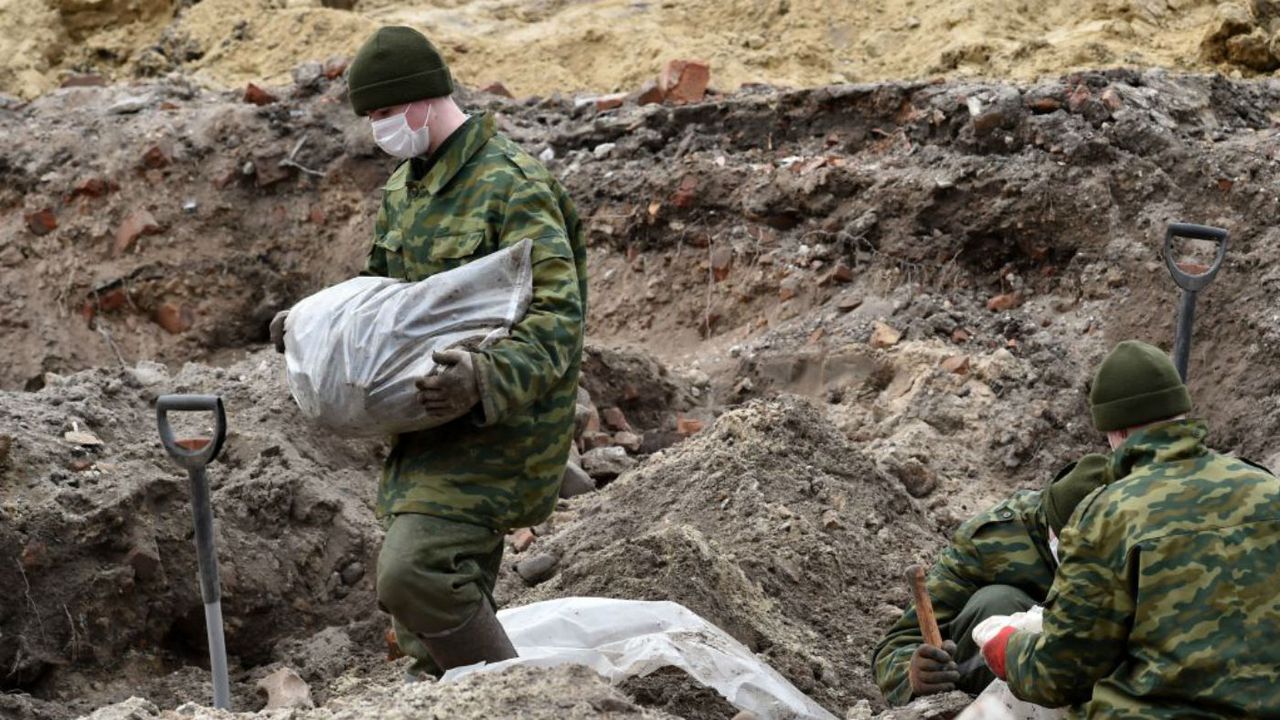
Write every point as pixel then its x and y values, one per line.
pixel 924 607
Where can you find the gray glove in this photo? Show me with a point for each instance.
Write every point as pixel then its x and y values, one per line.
pixel 451 389
pixel 933 669
pixel 277 330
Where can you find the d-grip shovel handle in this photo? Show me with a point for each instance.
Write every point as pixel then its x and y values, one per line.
pixel 1185 280
pixel 189 457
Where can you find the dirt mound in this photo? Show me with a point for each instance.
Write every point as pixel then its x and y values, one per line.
pixel 939 265
pixel 605 45
pixel 97 530
pixel 567 692
pixel 772 526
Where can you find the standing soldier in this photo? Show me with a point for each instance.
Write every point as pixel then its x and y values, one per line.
pixel 449 495
pixel 1165 605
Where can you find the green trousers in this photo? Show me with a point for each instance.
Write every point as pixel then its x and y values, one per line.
pixel 987 602
pixel 432 576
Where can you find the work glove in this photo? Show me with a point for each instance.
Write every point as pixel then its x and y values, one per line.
pixel 995 649
pixel 933 669
pixel 277 330
pixel 451 389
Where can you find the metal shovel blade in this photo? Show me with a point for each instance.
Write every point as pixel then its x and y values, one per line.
pixel 194 455
pixel 1192 280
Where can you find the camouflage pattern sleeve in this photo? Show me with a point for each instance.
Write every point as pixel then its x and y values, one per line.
pixel 1086 618
pixel 542 347
pixel 951 583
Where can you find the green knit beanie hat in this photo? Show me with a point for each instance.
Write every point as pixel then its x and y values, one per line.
pixel 397 65
pixel 1071 485
pixel 1135 385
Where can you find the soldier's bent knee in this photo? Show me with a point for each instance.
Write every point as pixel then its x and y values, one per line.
pixel 1000 600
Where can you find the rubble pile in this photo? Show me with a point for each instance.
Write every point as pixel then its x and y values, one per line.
pixel 826 325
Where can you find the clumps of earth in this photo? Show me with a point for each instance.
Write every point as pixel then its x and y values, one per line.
pixel 827 325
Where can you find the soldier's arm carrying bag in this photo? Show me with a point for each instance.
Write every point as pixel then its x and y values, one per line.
pixel 354 350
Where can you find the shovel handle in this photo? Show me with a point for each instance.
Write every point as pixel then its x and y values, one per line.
pixel 188 453
pixel 924 606
pixel 1185 280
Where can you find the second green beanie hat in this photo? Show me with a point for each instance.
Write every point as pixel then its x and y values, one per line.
pixel 397 65
pixel 1136 384
pixel 1073 484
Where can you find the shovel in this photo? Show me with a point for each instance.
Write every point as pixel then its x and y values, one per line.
pixel 1192 278
pixel 195 455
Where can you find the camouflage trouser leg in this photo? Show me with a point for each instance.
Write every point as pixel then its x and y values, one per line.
pixel 432 576
pixel 987 602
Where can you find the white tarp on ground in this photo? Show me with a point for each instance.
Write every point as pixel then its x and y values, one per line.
pixel 354 350
pixel 997 701
pixel 627 638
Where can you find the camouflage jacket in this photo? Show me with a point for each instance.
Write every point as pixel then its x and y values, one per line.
pixel 1006 545
pixel 1166 603
pixel 501 466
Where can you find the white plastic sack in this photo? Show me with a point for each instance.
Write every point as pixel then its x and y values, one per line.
pixel 354 350
pixel 627 638
pixel 997 701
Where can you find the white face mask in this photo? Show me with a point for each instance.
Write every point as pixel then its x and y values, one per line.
pixel 397 139
pixel 1053 546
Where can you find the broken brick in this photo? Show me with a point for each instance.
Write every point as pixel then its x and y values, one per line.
pixel 650 94
pixel 174 318
pixel 883 336
pixel 41 222
pixel 958 364
pixel 841 273
pixel 84 80
pixel 1005 301
pixel 685 81
pixel 628 441
pixel 34 555
pixel 721 261
pixel 268 171
pixel 1044 105
pixel 688 426
pixel 144 561
pixel 137 224
pixel 687 193
pixel 593 440
pixel 112 299
pixel 614 419
pixel 497 88
pixel 317 215
pixel 1078 98
pixel 1112 99
pixel 155 158
pixel 610 102
pixel 393 645
pixel 335 66
pixel 521 539
pixel 985 123
pixel 959 336
pixel 226 177
pixel 91 187
pixel 257 96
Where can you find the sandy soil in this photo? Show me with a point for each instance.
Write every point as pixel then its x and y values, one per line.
pixel 538 48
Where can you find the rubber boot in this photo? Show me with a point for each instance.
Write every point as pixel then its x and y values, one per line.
pixel 480 639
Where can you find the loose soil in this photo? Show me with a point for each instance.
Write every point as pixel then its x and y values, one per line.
pixel 882 302
pixel 554 46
